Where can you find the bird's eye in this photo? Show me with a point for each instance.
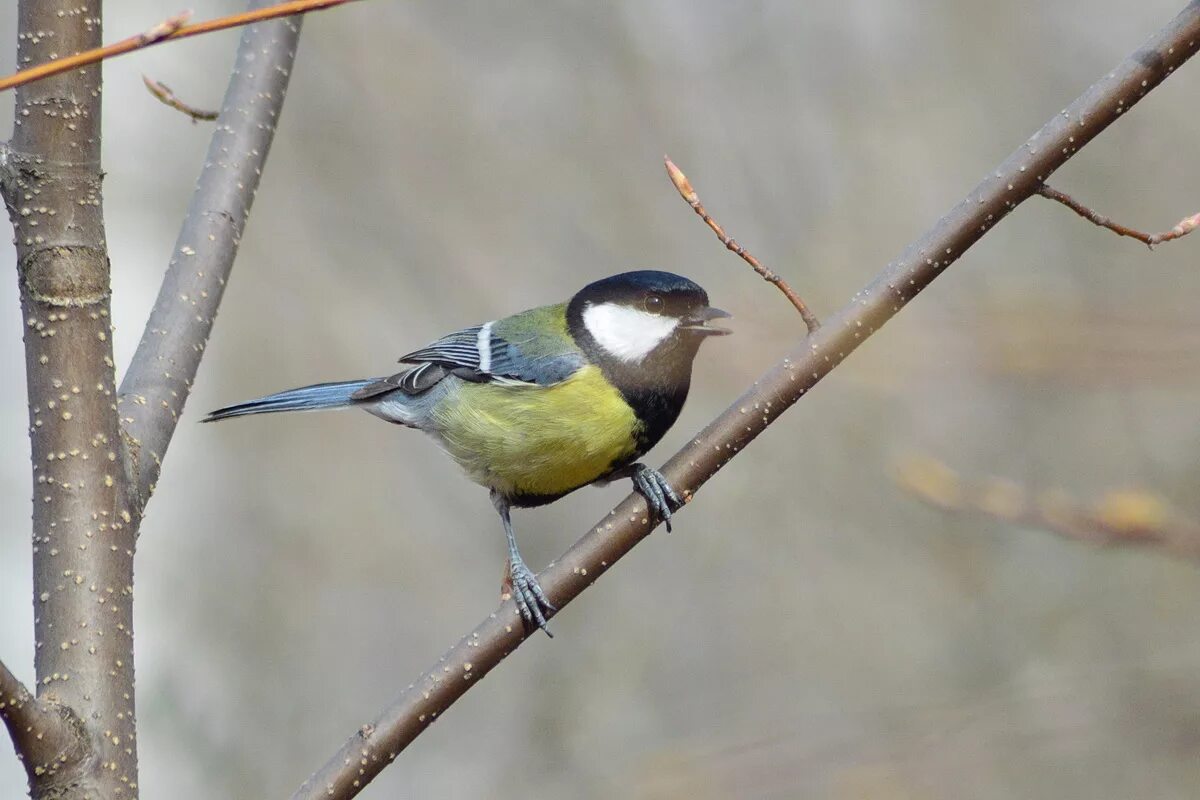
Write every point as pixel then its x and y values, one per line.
pixel 653 303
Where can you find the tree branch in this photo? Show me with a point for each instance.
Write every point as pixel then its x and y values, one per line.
pixel 160 376
pixel 46 736
pixel 1183 228
pixel 83 539
pixel 168 30
pixel 376 744
pixel 684 187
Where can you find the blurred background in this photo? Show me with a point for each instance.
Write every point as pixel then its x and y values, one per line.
pixel 810 630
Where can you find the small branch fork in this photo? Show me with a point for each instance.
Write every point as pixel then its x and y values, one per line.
pixel 172 28
pixel 43 737
pixel 1128 517
pixel 1185 226
pixel 684 187
pixel 168 98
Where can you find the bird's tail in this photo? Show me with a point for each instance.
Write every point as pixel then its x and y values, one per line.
pixel 306 398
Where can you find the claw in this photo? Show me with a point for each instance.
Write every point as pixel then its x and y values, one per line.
pixel 660 497
pixel 530 599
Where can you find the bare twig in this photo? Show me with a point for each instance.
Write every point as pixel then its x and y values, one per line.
pixel 45 736
pixel 1181 228
pixel 167 97
pixel 376 744
pixel 1185 226
pixel 159 378
pixel 684 187
pixel 1128 517
pixel 168 30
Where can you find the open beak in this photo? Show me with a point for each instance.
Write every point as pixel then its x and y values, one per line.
pixel 698 322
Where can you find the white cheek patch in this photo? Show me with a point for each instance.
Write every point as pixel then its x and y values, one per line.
pixel 629 334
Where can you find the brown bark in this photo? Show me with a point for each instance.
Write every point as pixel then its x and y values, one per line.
pixel 91 478
pixel 83 538
pixel 159 378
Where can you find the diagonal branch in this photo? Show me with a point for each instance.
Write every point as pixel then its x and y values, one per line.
pixel 160 376
pixel 168 30
pixel 44 735
pixel 376 744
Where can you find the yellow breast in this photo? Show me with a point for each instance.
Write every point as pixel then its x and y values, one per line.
pixel 535 440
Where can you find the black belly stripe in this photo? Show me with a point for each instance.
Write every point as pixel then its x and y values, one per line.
pixel 656 410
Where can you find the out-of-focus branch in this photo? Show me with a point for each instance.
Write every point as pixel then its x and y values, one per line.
pixel 159 378
pixel 1128 517
pixel 168 30
pixel 167 97
pixel 45 736
pixel 377 743
pixel 1183 228
pixel 684 187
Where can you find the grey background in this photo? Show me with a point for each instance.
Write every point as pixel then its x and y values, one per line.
pixel 809 630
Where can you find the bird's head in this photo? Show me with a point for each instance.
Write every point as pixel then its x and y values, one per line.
pixel 643 318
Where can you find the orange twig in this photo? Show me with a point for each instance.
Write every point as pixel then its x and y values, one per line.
pixel 1185 226
pixel 684 187
pixel 167 97
pixel 167 30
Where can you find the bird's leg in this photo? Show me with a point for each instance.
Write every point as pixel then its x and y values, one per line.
pixel 652 485
pixel 531 600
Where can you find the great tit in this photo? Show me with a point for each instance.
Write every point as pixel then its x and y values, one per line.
pixel 536 405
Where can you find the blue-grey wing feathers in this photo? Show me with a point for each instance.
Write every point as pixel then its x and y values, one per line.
pixel 511 361
pixel 474 354
pixel 458 349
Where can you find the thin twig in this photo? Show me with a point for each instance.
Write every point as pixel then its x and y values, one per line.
pixel 167 97
pixel 159 378
pixel 374 745
pixel 1121 518
pixel 1182 228
pixel 43 738
pixel 684 187
pixel 169 30
pixel 1185 226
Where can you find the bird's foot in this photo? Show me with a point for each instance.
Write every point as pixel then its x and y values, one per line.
pixel 662 499
pixel 527 592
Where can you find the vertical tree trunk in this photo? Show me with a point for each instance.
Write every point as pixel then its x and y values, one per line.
pixel 94 463
pixel 83 531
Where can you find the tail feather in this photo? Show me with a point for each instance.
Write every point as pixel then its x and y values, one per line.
pixel 306 398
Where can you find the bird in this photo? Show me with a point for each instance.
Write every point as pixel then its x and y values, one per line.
pixel 544 402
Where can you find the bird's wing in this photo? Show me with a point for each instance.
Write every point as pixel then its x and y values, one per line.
pixel 513 350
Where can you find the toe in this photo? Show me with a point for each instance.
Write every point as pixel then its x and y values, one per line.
pixel 673 499
pixel 660 497
pixel 530 599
